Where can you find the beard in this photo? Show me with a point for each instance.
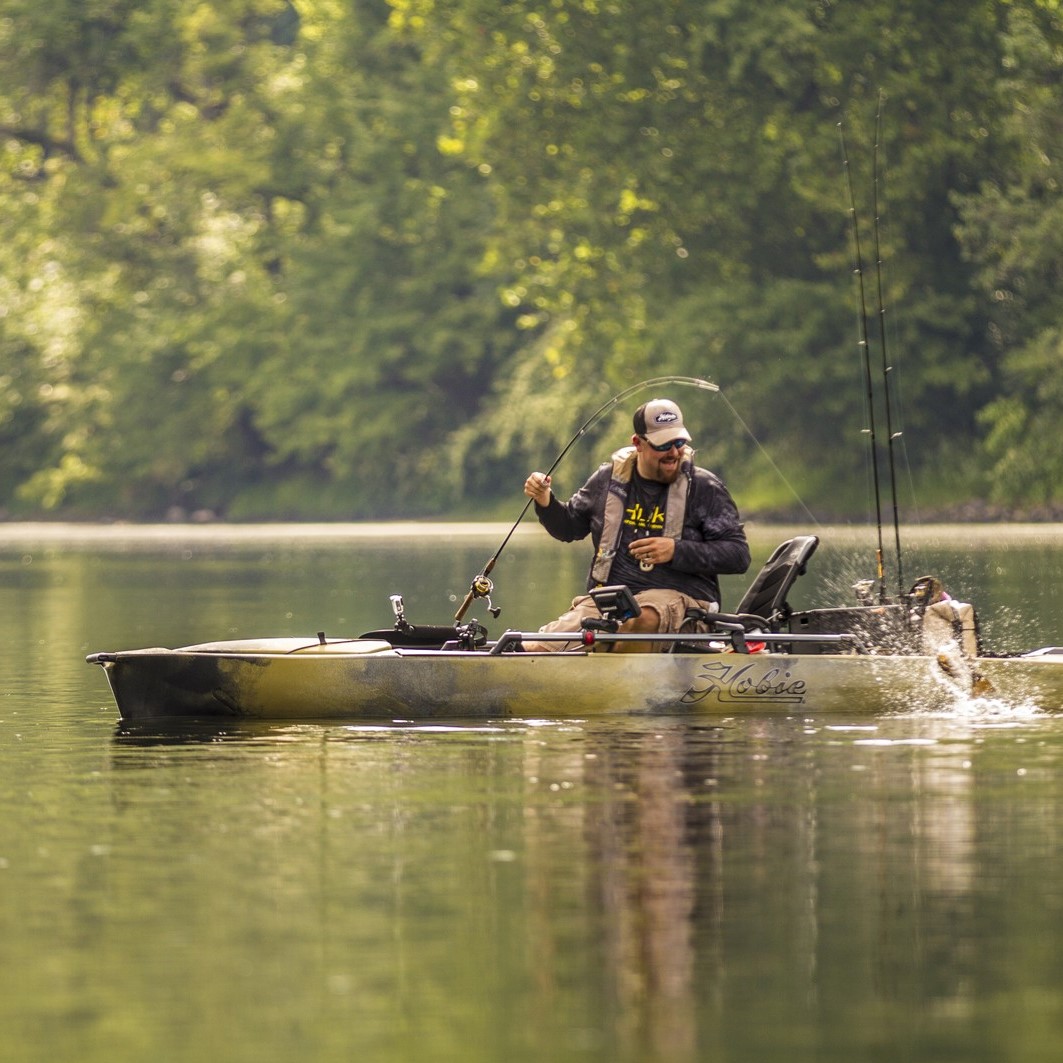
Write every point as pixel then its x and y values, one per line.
pixel 665 473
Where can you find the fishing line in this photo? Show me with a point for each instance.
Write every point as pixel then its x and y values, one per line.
pixel 760 446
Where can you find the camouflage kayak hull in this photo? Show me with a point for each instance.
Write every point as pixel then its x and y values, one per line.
pixel 293 679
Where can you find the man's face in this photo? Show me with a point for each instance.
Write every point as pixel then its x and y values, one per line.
pixel 662 466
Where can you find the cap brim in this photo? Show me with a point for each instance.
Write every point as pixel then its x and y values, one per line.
pixel 666 435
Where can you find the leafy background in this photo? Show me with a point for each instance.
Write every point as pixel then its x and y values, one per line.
pixel 353 259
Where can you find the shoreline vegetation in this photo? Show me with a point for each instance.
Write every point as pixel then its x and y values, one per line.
pixel 273 260
pixel 123 534
pixel 973 512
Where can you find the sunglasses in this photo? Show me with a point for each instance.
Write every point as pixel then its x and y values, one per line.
pixel 663 448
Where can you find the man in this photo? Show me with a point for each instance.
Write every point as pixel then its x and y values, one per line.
pixel 660 525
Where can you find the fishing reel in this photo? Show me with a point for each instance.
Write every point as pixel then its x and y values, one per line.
pixel 482 587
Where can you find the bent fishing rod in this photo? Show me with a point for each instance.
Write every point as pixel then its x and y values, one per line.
pixel 482 586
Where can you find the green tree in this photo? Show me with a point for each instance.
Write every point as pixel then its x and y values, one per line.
pixel 1012 230
pixel 113 111
pixel 364 259
pixel 669 193
pixel 392 329
pixel 274 272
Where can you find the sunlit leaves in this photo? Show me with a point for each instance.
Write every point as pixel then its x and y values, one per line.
pixel 259 254
pixel 1011 229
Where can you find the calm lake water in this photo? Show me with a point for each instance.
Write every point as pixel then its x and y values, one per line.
pixel 816 888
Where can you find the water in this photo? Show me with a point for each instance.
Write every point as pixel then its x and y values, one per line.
pixel 778 888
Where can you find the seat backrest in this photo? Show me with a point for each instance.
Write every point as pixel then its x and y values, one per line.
pixel 767 593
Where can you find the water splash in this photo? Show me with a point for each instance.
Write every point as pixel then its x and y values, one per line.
pixel 967 695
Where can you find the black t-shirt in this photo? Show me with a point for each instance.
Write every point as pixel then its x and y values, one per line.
pixel 643 516
pixel 712 541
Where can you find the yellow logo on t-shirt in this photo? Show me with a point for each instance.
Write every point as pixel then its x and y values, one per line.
pixel 636 516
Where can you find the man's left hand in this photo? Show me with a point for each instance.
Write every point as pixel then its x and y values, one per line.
pixel 657 550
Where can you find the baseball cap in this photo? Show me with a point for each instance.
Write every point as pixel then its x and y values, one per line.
pixel 660 421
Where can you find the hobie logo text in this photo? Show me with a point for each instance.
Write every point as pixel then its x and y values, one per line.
pixel 733 684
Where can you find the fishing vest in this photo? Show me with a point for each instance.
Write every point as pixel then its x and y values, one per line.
pixel 616 501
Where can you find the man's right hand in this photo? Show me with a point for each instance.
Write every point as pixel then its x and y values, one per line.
pixel 537 486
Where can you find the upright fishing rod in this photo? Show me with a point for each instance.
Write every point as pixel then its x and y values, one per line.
pixel 865 349
pixel 886 368
pixel 482 586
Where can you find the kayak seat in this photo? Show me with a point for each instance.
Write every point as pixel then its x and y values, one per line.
pixel 766 596
pixel 764 606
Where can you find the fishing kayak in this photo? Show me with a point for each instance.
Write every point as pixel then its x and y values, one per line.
pixel 292 679
pixel 874 658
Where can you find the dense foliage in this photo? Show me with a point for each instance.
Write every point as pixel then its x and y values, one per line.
pixel 369 258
